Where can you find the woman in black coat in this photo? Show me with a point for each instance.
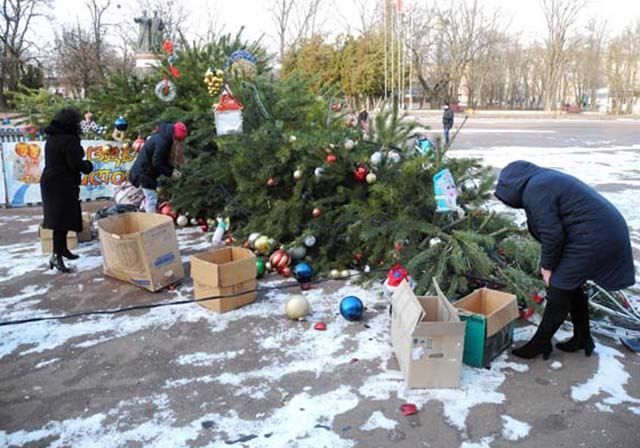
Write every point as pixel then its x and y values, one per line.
pixel 582 236
pixel 60 182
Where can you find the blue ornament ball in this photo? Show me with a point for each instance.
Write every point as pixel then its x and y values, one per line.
pixel 351 308
pixel 121 124
pixel 303 272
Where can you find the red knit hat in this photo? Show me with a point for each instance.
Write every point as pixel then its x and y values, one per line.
pixel 180 131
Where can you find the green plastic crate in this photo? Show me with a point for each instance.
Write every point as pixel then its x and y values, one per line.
pixel 479 350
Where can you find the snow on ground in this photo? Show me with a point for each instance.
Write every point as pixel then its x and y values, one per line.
pixel 378 421
pixel 289 348
pixel 513 429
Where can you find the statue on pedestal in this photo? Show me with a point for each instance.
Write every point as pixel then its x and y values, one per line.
pixel 150 32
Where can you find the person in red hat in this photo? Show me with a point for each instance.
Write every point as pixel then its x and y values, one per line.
pixel 158 157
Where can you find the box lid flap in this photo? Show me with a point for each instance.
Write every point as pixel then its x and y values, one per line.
pixel 407 307
pixel 446 305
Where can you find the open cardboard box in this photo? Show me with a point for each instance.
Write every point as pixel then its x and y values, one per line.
pixel 141 248
pixel 427 337
pixel 227 276
pixel 489 315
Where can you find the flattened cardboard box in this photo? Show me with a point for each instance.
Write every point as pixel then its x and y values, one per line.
pixel 489 315
pixel 46 240
pixel 141 248
pixel 228 271
pixel 428 339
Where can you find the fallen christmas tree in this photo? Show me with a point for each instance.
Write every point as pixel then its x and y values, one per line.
pixel 299 174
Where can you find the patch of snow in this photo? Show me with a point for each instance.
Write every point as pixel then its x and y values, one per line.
pixel 46 363
pixel 603 407
pixel 635 410
pixel 513 429
pixel 609 379
pixel 207 359
pixel 478 386
pixel 555 365
pixel 484 443
pixel 378 421
pixel 163 429
pixel 19 306
pixel 33 228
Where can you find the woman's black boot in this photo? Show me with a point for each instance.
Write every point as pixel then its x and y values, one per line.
pixel 69 255
pixel 581 339
pixel 558 303
pixel 56 262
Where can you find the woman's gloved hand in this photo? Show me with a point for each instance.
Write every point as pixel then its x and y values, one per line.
pixel 546 276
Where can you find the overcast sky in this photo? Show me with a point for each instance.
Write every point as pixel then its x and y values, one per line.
pixel 525 15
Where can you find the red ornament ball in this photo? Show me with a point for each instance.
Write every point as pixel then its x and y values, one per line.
pixel 331 159
pixel 271 182
pixel 320 326
pixel 286 272
pixel 360 173
pixel 279 260
pixel 316 212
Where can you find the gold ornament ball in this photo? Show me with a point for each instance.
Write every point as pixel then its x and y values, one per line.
pixel 371 178
pixel 297 307
pixel 262 244
pixel 345 273
pixel 334 274
pixel 297 174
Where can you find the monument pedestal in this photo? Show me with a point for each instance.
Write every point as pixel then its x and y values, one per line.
pixel 146 63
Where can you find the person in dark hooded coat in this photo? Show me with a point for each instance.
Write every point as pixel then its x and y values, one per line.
pixel 155 160
pixel 582 236
pixel 60 182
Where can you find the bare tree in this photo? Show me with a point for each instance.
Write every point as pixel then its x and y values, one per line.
pixel 623 77
pixel 17 18
pixel 97 9
pixel 447 41
pixel 295 20
pixel 560 17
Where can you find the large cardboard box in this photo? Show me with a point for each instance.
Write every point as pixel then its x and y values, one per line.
pixel 141 248
pixel 86 234
pixel 46 240
pixel 227 274
pixel 489 315
pixel 427 337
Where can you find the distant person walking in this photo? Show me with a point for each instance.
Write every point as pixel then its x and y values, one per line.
pixel 447 122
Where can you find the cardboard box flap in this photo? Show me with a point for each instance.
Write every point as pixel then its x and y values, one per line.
pixel 446 307
pixel 133 223
pixel 407 307
pixel 498 308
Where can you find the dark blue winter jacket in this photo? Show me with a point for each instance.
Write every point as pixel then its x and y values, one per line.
pixel 153 160
pixel 583 236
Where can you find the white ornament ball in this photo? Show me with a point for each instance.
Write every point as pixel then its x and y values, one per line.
pixel 318 171
pixel 393 156
pixel 434 241
pixel 349 144
pixel 297 174
pixel 297 307
pixel 309 240
pixel 292 139
pixel 297 252
pixel 376 158
pixel 211 222
pixel 182 221
pixel 371 178
pixel 345 273
pixel 252 238
pixel 334 274
pixel 194 222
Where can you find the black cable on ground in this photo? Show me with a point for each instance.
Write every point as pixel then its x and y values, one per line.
pixel 163 304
